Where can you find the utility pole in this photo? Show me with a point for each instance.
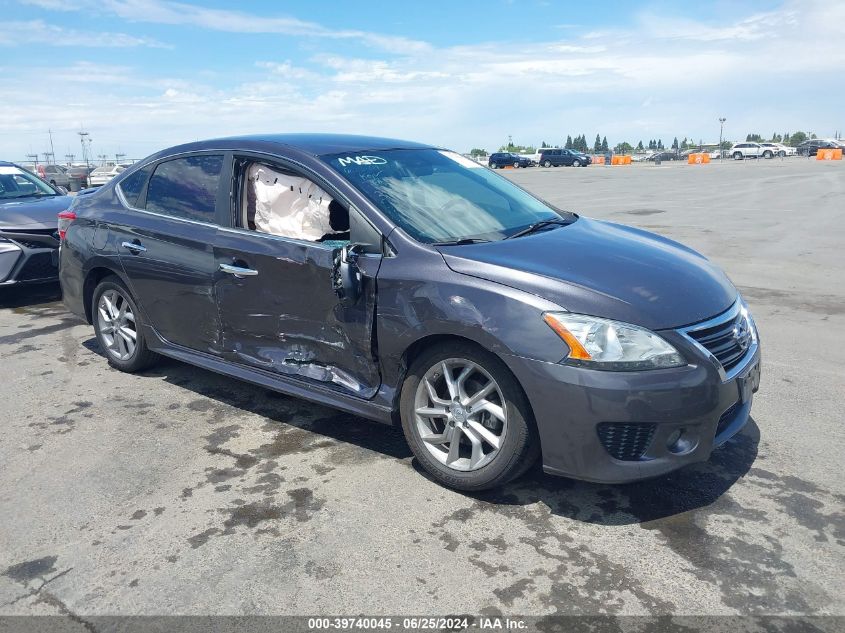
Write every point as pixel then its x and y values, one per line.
pixel 69 158
pixel 34 158
pixel 721 131
pixel 117 157
pixel 52 149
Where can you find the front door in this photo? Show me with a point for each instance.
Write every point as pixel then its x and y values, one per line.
pixel 280 313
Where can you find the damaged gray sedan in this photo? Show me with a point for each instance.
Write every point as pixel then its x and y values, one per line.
pixel 410 285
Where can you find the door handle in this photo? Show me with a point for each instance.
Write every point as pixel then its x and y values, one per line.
pixel 238 271
pixel 134 247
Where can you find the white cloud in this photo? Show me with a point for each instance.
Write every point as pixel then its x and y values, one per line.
pixel 230 21
pixel 661 78
pixel 22 32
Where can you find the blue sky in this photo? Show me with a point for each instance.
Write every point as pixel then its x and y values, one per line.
pixel 141 75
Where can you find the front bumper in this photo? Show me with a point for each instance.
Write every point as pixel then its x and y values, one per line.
pixel 584 415
pixel 28 258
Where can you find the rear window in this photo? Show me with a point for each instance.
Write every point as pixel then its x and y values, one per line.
pixel 186 187
pixel 132 185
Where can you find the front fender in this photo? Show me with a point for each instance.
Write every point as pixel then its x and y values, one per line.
pixel 426 299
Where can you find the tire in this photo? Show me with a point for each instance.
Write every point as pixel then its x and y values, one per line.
pixel 118 348
pixel 767 154
pixel 782 154
pixel 548 163
pixel 53 182
pixel 576 163
pixel 737 155
pixel 492 165
pixel 516 165
pixel 515 432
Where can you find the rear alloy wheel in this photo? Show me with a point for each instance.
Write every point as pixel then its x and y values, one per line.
pixel 117 324
pixel 576 163
pixel 767 154
pixel 466 418
pixel 737 155
pixel 492 165
pixel 516 165
pixel 548 163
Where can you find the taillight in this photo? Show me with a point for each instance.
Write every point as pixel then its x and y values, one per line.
pixel 65 218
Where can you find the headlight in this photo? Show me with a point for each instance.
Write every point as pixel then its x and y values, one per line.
pixel 611 345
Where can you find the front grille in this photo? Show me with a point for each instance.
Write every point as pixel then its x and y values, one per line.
pixel 38 266
pixel 625 441
pixel 727 341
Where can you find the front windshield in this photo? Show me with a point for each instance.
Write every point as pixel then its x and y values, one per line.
pixel 440 196
pixel 19 183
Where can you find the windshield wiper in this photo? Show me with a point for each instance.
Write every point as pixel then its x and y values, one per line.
pixel 461 242
pixel 532 228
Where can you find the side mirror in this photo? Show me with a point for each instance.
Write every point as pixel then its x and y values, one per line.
pixel 346 276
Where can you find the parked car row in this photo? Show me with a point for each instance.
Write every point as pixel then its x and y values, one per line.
pixel 86 176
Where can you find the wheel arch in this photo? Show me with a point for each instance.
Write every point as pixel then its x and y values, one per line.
pixel 93 277
pixel 424 343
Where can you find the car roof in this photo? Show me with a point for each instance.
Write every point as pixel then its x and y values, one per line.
pixel 312 144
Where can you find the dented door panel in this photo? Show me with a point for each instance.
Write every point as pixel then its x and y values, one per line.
pixel 287 318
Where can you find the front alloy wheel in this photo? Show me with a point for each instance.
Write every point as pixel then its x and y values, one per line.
pixel 459 414
pixel 466 418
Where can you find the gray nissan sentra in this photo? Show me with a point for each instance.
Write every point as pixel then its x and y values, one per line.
pixel 407 284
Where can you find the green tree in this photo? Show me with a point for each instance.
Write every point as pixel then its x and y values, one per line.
pixel 543 146
pixel 568 142
pixel 684 144
pixel 797 138
pixel 640 146
pixel 660 144
pixel 675 143
pixel 597 144
pixel 477 152
pixel 604 147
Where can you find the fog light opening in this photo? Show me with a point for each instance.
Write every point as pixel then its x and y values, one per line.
pixel 679 442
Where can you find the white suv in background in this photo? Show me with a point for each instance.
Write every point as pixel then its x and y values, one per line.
pixel 751 150
pixel 780 149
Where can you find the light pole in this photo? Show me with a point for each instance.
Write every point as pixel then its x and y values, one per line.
pixel 721 131
pixel 83 136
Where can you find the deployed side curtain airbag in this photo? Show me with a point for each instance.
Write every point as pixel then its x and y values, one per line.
pixel 289 205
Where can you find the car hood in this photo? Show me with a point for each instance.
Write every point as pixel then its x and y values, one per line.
pixel 604 269
pixel 32 213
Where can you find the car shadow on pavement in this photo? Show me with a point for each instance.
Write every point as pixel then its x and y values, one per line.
pixel 695 486
pixel 29 295
pixel 276 407
pixel 690 488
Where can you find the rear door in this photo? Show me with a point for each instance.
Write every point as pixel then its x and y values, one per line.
pixel 167 253
pixel 278 307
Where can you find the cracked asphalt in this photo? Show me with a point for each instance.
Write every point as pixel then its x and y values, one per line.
pixel 178 491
